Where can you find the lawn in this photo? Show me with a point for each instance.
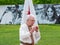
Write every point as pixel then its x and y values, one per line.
pixel 50 35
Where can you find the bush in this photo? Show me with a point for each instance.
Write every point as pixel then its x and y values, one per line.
pixel 6 2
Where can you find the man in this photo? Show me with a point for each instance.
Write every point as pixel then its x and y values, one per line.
pixel 17 14
pixel 29 33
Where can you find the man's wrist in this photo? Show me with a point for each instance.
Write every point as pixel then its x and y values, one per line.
pixel 31 31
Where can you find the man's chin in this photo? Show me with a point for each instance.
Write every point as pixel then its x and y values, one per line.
pixel 31 25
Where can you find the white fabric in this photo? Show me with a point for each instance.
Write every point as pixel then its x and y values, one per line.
pixel 28 4
pixel 21 44
pixel 25 35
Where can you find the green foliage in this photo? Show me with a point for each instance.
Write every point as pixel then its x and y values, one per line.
pixel 6 2
pixel 46 1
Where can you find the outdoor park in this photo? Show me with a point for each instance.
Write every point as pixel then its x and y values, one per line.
pixel 50 33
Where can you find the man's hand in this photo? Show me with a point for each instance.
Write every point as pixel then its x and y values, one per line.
pixel 32 30
pixel 35 28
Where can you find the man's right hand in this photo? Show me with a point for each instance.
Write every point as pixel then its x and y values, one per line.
pixel 32 30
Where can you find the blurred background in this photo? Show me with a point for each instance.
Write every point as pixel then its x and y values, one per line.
pixel 46 13
pixel 48 18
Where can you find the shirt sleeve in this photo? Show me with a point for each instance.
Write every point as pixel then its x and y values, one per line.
pixel 37 36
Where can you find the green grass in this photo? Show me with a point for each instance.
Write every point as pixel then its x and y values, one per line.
pixel 50 35
pixel 9 34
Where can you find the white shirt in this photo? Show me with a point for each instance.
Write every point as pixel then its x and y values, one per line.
pixel 25 35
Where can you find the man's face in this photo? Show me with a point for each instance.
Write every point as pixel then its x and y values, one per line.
pixel 31 21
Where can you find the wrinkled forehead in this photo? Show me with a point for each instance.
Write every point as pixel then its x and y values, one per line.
pixel 31 18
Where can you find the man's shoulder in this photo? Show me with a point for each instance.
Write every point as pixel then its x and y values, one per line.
pixel 23 25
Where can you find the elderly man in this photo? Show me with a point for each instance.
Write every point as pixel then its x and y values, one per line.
pixel 29 33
